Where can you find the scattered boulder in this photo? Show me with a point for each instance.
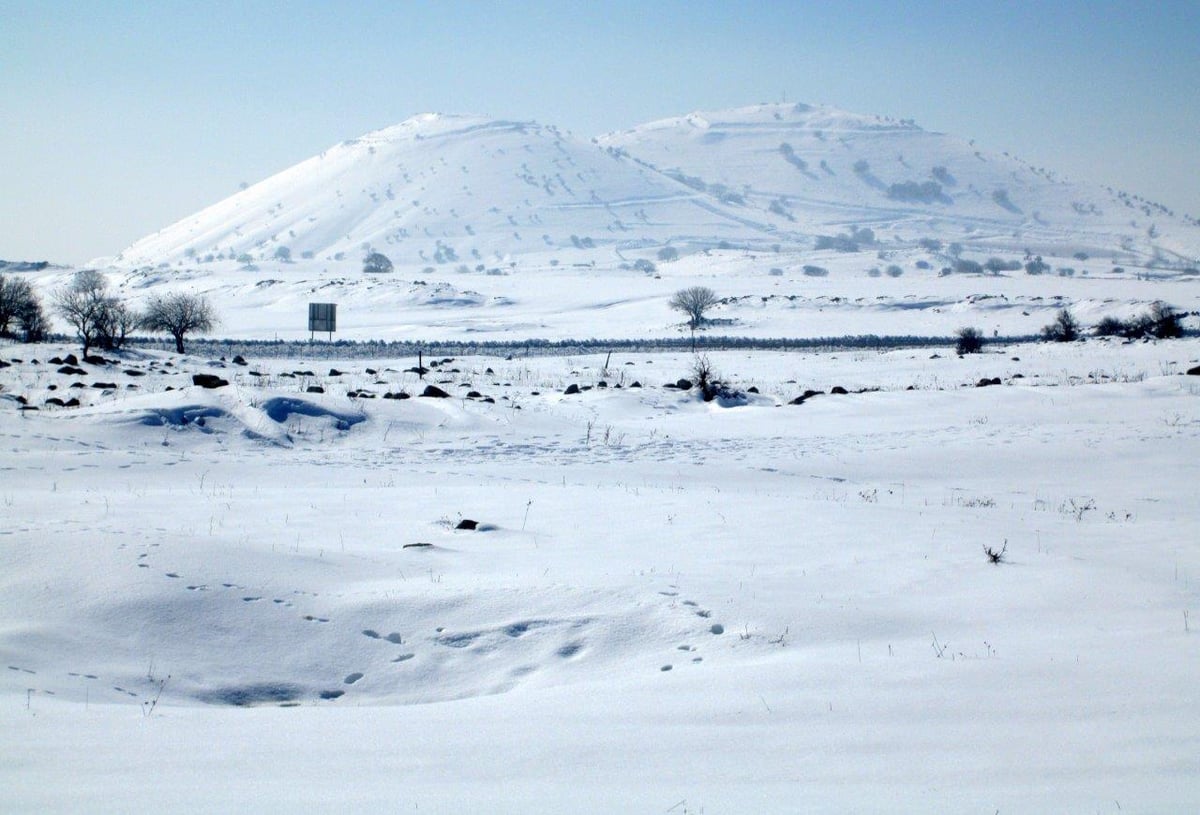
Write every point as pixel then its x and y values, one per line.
pixel 334 372
pixel 71 370
pixel 1194 371
pixel 110 386
pixel 571 389
pixel 314 389
pixel 397 395
pixel 985 382
pixel 434 392
pixel 54 400
pixel 240 360
pixel 69 359
pixel 804 397
pixel 90 359
pixel 684 384
pixel 209 381
pixel 839 390
pixel 467 523
pixel 134 372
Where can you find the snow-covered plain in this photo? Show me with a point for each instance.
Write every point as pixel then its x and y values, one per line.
pixel 258 597
pixel 211 598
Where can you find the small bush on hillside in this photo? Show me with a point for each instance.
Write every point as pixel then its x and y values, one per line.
pixel 377 263
pixel 997 265
pixel 1037 266
pixel 970 341
pixel 1065 328
pixel 1160 322
pixel 1110 327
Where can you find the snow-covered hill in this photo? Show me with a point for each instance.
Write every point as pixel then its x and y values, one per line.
pixel 444 190
pixel 819 169
pixel 466 190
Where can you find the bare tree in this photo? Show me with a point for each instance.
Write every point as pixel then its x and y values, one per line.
pixel 694 302
pixel 179 315
pixel 86 305
pixel 19 306
pixel 115 324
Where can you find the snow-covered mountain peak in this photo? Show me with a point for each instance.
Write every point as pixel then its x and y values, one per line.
pixel 468 189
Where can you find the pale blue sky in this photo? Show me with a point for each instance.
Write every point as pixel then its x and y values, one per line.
pixel 120 118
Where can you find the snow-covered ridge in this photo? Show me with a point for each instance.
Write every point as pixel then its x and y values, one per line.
pixel 466 189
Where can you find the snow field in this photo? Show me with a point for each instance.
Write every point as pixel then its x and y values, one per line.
pixel 812 575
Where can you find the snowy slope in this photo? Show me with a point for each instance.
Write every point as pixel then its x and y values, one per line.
pixel 822 169
pixel 451 190
pixel 443 189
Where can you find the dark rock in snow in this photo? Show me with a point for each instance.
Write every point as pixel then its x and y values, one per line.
pixel 684 384
pixel 804 397
pixel 839 390
pixel 434 392
pixel 1194 371
pixel 571 389
pixel 71 370
pixel 209 381
pixel 240 360
pixel 467 523
pixel 314 389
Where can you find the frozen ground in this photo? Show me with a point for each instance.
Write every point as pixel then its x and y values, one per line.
pixel 212 599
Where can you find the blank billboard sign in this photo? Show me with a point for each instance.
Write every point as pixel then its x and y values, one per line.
pixel 322 317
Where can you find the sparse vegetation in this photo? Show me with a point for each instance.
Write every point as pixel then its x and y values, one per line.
pixel 1065 328
pixel 179 315
pixel 97 317
pixel 377 263
pixel 21 313
pixel 1160 322
pixel 694 302
pixel 970 341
